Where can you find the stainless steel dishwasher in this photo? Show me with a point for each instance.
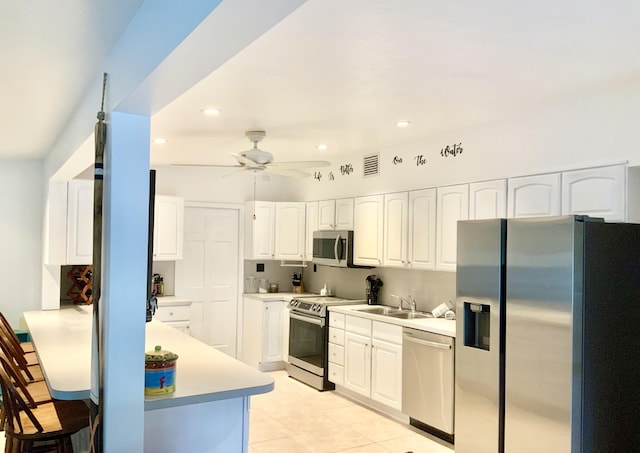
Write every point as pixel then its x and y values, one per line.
pixel 428 381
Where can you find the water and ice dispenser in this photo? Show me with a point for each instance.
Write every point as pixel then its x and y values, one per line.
pixel 477 325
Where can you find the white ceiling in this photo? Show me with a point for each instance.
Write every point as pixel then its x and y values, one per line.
pixel 49 51
pixel 333 72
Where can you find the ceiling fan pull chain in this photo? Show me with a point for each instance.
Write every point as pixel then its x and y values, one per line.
pixel 254 197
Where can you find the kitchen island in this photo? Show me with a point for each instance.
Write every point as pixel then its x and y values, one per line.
pixel 209 410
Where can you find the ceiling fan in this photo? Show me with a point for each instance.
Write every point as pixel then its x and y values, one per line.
pixel 257 160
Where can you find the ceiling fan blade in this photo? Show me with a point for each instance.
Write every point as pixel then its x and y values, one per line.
pixel 207 165
pixel 242 170
pixel 242 160
pixel 303 164
pixel 286 171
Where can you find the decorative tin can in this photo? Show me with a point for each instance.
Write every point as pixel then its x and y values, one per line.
pixel 160 372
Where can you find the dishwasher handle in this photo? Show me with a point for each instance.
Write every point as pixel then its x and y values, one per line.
pixel 431 344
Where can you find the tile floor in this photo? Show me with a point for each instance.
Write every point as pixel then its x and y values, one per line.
pixel 295 418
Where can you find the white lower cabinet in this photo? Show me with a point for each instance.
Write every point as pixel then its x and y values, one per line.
pixel 176 314
pixel 366 357
pixel 263 334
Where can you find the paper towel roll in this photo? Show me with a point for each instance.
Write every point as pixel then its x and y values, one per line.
pixel 450 315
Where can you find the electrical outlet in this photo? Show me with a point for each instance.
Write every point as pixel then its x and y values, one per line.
pixel 259 267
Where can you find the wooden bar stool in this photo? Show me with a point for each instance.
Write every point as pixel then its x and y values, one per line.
pixel 27 347
pixel 45 428
pixel 32 371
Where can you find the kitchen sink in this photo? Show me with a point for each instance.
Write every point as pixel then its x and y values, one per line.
pixel 395 312
pixel 387 311
pixel 410 315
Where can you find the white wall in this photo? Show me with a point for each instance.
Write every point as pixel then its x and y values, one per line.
pixel 575 133
pixel 209 184
pixel 21 198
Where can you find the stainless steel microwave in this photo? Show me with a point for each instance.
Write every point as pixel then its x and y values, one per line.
pixel 333 248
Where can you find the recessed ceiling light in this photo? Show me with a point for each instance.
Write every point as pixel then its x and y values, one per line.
pixel 159 141
pixel 321 147
pixel 210 111
pixel 403 123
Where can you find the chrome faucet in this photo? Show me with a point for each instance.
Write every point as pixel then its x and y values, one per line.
pixel 408 299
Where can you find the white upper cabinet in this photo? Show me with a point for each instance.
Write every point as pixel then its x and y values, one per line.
pixel 532 196
pixel 396 219
pixel 488 199
pixel 260 230
pixel 326 214
pixel 452 205
pixel 598 192
pixel 310 227
pixel 335 214
pixel 422 229
pixel 344 214
pixel 368 226
pixel 290 231
pixel 80 222
pixel 168 228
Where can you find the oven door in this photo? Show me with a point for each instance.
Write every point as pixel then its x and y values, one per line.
pixel 308 338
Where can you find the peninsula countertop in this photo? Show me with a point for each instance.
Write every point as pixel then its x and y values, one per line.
pixel 62 339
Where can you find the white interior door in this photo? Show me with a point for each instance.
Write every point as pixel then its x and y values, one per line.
pixel 208 274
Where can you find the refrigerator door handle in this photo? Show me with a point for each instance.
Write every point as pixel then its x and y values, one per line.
pixel 432 344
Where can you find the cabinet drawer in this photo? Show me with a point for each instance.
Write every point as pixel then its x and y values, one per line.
pixel 336 320
pixel 336 354
pixel 173 313
pixel 358 325
pixel 336 374
pixel 336 336
pixel 387 332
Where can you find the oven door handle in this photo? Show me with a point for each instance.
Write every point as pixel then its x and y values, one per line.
pixel 316 321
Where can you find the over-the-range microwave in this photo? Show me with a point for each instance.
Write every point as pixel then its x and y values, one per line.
pixel 333 248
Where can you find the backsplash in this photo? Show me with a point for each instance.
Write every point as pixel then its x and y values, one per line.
pixel 429 288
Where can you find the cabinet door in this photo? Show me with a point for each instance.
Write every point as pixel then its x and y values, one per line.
pixel 368 223
pixel 168 228
pixel 452 205
pixel 396 218
pixel 80 222
pixel 260 230
pixel 272 331
pixel 598 192
pixel 386 373
pixel 357 363
pixel 344 214
pixel 326 215
pixel 422 229
pixel 488 199
pixel 311 225
pixel 289 231
pixel 532 196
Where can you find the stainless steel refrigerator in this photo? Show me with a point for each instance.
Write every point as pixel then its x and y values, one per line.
pixel 548 343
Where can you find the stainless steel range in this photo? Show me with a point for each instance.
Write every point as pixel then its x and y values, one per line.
pixel 309 338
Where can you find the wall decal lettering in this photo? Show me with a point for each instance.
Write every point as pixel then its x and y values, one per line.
pixel 396 160
pixel 420 160
pixel 331 177
pixel 346 169
pixel 317 176
pixel 453 150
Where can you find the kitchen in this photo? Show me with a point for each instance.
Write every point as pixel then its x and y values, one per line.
pixel 536 138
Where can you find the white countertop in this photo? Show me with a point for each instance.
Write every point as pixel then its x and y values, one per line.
pixel 435 325
pixel 62 339
pixel 172 300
